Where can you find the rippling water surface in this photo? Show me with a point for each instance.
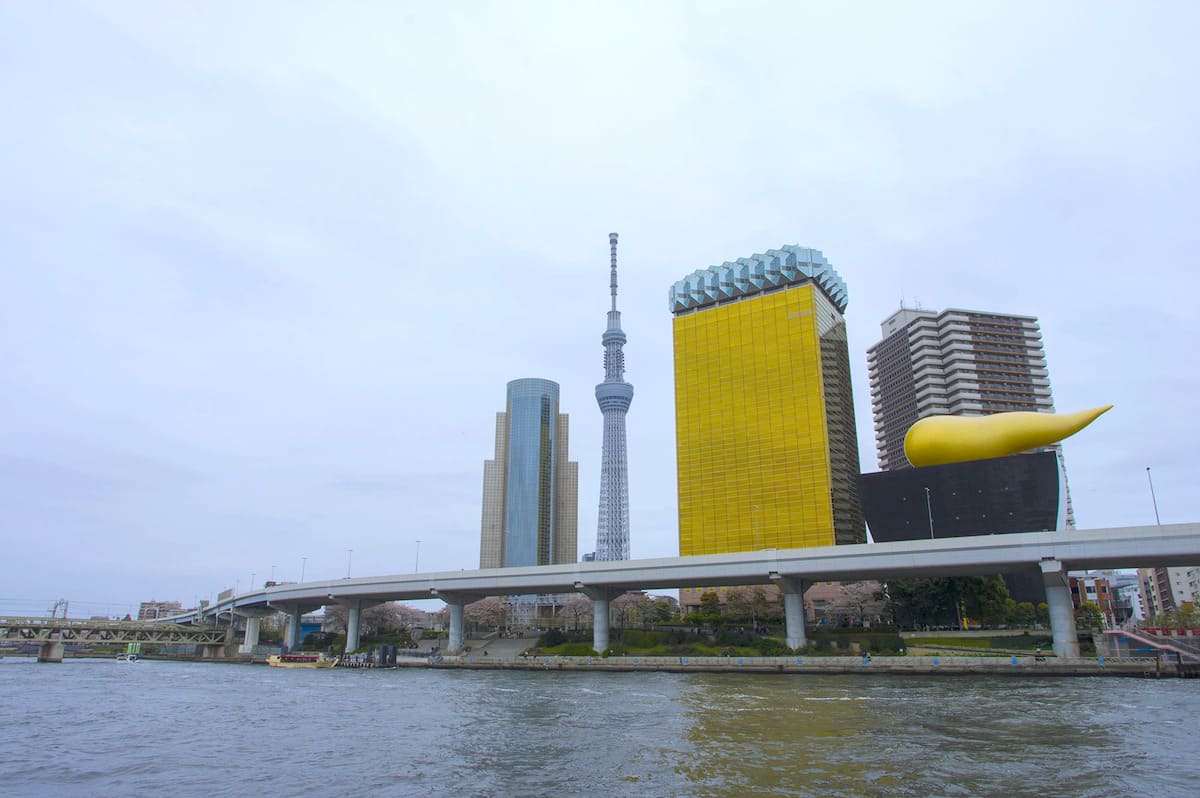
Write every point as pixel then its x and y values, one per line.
pixel 100 728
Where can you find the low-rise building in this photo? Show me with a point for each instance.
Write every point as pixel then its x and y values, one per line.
pixel 1096 590
pixel 152 610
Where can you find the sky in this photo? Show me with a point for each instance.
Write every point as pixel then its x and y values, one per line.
pixel 266 268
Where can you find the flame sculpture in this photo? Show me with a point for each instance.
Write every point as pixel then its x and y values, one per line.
pixel 937 440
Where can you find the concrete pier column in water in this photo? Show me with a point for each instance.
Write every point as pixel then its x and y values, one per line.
pixel 50 651
pixel 793 612
pixel 253 624
pixel 353 620
pixel 293 629
pixel 1062 614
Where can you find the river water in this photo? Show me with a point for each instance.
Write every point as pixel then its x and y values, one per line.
pixel 102 728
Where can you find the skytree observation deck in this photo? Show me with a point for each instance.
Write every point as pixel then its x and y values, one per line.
pixel 614 396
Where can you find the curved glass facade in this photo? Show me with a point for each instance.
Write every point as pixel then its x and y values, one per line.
pixel 529 506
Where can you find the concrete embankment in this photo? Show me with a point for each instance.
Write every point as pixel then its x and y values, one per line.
pixel 1007 666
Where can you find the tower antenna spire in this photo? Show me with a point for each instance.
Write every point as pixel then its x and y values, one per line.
pixel 612 246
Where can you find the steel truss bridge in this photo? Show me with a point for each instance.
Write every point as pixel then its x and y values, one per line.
pixel 14 631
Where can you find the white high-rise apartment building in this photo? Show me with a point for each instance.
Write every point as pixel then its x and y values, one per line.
pixel 955 362
pixel 1165 589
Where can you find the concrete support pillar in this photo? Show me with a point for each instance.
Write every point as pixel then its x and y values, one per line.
pixel 50 651
pixel 600 624
pixel 793 610
pixel 455 643
pixel 352 624
pixel 1062 614
pixel 253 625
pixel 293 629
pixel 456 602
pixel 601 619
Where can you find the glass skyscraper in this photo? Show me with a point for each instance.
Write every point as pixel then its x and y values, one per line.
pixel 764 417
pixel 530 489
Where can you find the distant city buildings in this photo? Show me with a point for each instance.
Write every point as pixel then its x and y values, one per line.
pixel 1131 596
pixel 614 396
pixel 1165 589
pixel 767 450
pixel 530 489
pixel 151 610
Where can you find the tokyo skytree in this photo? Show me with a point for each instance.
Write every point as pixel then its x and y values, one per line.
pixel 614 396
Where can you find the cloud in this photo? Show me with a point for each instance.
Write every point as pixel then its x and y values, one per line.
pixel 268 272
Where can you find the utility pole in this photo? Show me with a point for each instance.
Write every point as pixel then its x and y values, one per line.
pixel 929 510
pixel 1157 520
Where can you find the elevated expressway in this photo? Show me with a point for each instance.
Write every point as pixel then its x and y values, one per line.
pixel 1051 554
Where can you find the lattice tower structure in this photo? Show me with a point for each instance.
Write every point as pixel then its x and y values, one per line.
pixel 614 396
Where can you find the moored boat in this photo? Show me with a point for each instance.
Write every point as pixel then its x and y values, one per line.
pixel 301 659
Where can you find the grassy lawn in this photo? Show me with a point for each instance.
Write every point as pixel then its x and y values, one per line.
pixel 1025 642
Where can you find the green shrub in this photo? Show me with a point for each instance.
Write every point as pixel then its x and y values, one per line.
pixel 551 638
pixel 770 647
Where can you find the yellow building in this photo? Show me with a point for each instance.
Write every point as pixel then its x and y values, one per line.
pixel 767 450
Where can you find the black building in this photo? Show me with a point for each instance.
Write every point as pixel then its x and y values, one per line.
pixel 1003 495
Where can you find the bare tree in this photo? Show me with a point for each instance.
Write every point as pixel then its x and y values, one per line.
pixel 376 620
pixel 409 616
pixel 647 611
pixel 487 613
pixel 626 610
pixel 577 609
pixel 860 600
pixel 739 602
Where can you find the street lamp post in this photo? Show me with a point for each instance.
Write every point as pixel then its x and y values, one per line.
pixel 929 510
pixel 252 575
pixel 349 558
pixel 1152 497
pixel 417 562
pixel 303 562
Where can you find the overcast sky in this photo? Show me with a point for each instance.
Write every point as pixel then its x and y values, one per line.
pixel 265 269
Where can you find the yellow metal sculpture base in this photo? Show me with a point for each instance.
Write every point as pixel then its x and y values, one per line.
pixel 937 440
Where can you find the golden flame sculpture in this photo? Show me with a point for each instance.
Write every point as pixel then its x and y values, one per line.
pixel 937 440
